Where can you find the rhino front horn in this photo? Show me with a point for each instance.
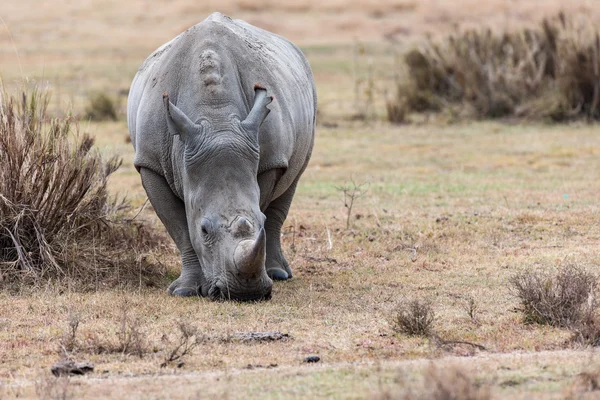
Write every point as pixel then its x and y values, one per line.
pixel 249 255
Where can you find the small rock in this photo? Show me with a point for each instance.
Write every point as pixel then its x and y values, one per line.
pixel 312 359
pixel 69 367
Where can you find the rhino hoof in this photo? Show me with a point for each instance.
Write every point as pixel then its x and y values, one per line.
pixel 277 274
pixel 184 292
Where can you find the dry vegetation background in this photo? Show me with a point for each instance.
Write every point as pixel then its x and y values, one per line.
pixel 452 212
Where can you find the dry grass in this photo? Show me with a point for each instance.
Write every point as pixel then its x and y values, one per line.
pixel 184 345
pixel 104 53
pixel 420 234
pixel 586 382
pixel 451 212
pixel 57 220
pixel 449 384
pixel 549 72
pixel 51 388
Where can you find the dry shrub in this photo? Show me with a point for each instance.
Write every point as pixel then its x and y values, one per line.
pixel 101 108
pixel 550 72
pixel 472 309
pixel 57 219
pixel 68 342
pixel 452 383
pixel 441 384
pixel 189 339
pixel 565 299
pixel 130 336
pixel 414 318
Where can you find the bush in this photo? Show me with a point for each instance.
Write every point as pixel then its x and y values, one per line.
pixel 414 318
pixel 565 299
pixel 452 383
pixel 551 72
pixel 448 383
pixel 57 219
pixel 101 108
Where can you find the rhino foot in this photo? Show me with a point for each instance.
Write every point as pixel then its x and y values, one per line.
pixel 184 288
pixel 278 274
pixel 279 270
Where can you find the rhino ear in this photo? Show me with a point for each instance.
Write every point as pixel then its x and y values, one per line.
pixel 259 110
pixel 179 123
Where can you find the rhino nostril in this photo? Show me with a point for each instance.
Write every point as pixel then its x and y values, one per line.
pixel 267 295
pixel 206 226
pixel 215 293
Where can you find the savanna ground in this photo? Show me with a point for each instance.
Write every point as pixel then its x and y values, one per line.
pixel 450 213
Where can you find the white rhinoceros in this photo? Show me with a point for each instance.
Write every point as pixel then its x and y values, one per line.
pixel 219 167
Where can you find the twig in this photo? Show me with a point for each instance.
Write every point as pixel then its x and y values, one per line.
pixel 352 192
pixel 443 342
pixel 139 212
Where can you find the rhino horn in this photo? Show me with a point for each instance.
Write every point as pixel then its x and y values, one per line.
pixel 249 255
pixel 259 110
pixel 179 123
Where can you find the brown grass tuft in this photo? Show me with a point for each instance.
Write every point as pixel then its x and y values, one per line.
pixel 414 318
pixel 57 220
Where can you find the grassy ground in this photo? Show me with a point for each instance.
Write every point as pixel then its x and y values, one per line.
pixel 451 212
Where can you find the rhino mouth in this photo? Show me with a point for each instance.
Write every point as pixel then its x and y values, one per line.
pixel 220 292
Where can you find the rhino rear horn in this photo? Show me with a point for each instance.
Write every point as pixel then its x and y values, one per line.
pixel 179 123
pixel 259 110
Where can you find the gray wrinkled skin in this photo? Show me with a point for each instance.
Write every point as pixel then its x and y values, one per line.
pixel 222 119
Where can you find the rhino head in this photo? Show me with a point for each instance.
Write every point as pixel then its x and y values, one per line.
pixel 222 197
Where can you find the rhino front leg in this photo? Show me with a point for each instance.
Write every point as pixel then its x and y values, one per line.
pixel 277 266
pixel 171 211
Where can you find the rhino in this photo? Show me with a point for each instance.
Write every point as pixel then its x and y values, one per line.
pixel 222 120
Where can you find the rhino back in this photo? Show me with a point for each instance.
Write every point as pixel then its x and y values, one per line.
pixel 214 66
